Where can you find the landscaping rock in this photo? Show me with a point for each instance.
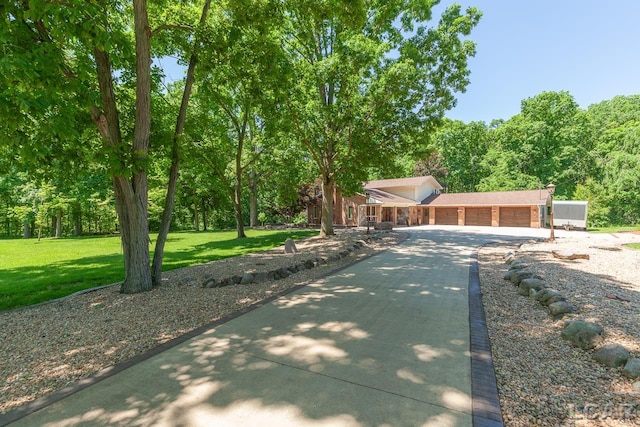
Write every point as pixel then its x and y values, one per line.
pixel 236 279
pixel 517 264
pixel 300 266
pixel 520 275
pixel 227 281
pixel 636 386
pixel 210 283
pixel 553 299
pixel 261 277
pixel 549 296
pixel 385 225
pixel 247 278
pixel 290 247
pixel 613 355
pixel 283 273
pixel 560 308
pixel 632 368
pixel 309 264
pixel 526 285
pixel 343 254
pixel 334 257
pixel 585 335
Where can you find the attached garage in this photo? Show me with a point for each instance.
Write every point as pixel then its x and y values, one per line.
pixel 515 217
pixel 446 216
pixel 477 216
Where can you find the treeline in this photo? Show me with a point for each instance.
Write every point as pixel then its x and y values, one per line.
pixel 591 154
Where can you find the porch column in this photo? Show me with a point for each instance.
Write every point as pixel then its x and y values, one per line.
pixel 495 216
pixel 461 215
pixel 432 215
pixel 535 217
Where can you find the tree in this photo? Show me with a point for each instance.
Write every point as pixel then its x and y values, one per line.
pixel 547 142
pixel 368 75
pixel 462 147
pixel 51 52
pixel 241 80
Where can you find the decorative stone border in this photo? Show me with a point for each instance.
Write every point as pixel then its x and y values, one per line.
pixel 581 334
pixel 260 276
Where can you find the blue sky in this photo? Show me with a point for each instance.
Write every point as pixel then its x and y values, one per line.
pixel 524 47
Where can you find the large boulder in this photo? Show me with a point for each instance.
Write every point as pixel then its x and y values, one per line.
pixel 290 247
pixel 613 355
pixel 632 368
pixel 385 225
pixel 585 335
pixel 525 286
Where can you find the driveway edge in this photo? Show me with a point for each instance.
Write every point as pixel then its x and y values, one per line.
pixel 486 410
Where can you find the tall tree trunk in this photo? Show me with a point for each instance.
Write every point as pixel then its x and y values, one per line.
pixel 169 202
pixel 58 227
pixel 77 219
pixel 196 218
pixel 26 229
pixel 253 199
pixel 204 215
pixel 131 196
pixel 237 206
pixel 326 222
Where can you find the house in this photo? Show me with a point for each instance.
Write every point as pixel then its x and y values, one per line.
pixel 418 201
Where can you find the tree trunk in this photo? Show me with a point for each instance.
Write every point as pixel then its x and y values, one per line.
pixel 77 219
pixel 326 222
pixel 237 206
pixel 131 196
pixel 26 229
pixel 196 218
pixel 169 202
pixel 58 223
pixel 204 215
pixel 253 199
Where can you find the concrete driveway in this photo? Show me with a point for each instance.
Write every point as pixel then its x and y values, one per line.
pixel 384 342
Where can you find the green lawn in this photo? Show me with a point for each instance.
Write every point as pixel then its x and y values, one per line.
pixel 33 272
pixel 615 229
pixel 633 246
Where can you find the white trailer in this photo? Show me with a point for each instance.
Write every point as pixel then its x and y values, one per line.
pixel 570 214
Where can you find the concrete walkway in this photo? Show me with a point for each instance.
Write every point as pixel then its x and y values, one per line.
pixel 385 341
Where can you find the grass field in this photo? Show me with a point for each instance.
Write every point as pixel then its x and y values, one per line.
pixel 634 246
pixel 615 229
pixel 33 272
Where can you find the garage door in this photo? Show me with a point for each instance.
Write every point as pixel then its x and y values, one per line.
pixel 515 217
pixel 477 216
pixel 447 216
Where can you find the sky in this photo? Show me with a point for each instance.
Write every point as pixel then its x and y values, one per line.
pixel 590 48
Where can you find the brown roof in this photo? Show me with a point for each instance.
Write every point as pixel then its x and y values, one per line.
pixel 385 197
pixel 493 198
pixel 398 182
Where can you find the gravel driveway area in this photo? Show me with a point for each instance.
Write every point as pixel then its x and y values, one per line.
pixel 47 347
pixel 542 379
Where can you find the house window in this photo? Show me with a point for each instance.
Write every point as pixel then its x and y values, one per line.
pixel 315 212
pixel 350 212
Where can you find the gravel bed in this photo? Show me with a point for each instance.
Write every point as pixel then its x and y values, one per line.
pixel 542 379
pixel 47 347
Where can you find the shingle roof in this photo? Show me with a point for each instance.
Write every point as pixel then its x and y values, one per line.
pixel 493 198
pixel 384 197
pixel 398 182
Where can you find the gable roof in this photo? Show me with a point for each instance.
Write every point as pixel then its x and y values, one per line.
pixel 401 182
pixel 384 197
pixel 492 198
